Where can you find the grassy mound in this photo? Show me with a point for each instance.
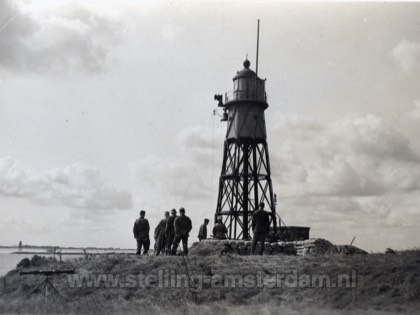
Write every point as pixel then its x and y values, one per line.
pixel 383 284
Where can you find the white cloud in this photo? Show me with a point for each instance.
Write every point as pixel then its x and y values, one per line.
pixel 69 37
pixel 168 32
pixel 407 54
pixel 172 178
pixel 201 140
pixel 189 175
pixel 351 170
pixel 75 186
pixel 358 157
pixel 415 113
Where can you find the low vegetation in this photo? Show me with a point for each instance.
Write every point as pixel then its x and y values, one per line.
pixel 383 284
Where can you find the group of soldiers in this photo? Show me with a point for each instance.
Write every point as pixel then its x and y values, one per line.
pixel 170 231
pixel 173 229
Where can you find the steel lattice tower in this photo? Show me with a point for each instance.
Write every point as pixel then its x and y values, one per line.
pixel 245 179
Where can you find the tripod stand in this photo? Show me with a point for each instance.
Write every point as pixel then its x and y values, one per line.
pixel 46 283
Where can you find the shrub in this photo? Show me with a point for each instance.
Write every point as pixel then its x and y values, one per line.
pixel 24 263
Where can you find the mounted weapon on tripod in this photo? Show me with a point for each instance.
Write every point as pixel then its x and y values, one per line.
pixel 46 282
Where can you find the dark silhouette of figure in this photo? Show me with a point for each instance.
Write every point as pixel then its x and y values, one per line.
pixel 170 231
pixel 260 228
pixel 160 234
pixel 202 233
pixel 183 226
pixel 141 233
pixel 219 230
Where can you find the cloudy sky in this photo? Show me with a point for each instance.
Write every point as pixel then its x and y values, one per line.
pixel 106 108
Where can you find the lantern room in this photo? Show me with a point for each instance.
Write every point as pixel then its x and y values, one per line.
pixel 247 86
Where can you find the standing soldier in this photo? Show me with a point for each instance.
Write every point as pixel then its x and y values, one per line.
pixel 160 234
pixel 219 230
pixel 183 227
pixel 170 231
pixel 202 234
pixel 141 233
pixel 260 228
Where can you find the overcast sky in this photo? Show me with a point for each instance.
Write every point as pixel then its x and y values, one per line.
pixel 106 108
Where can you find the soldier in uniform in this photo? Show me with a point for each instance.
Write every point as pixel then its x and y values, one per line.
pixel 170 231
pixel 160 234
pixel 202 233
pixel 183 227
pixel 141 233
pixel 219 230
pixel 260 228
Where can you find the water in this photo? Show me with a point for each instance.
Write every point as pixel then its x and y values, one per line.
pixel 8 261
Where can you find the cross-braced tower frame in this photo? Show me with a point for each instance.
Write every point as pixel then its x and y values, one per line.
pixel 245 179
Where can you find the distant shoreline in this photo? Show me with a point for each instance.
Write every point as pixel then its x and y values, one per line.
pixel 69 253
pixel 60 247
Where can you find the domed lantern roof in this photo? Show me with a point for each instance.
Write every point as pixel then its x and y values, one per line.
pixel 245 72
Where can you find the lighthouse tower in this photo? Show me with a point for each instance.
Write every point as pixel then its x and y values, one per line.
pixel 245 179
